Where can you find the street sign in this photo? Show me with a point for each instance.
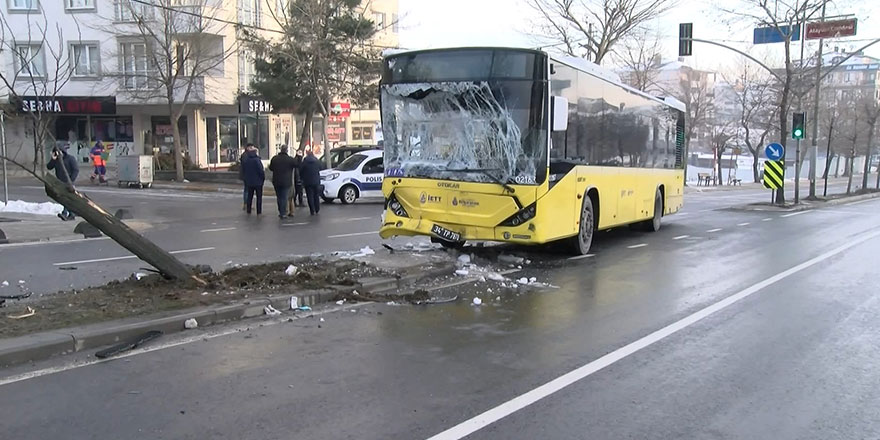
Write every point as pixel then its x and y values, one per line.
pixel 774 173
pixel 773 35
pixel 831 29
pixel 774 151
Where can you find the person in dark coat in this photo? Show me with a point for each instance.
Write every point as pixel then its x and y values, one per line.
pixel 244 196
pixel 254 177
pixel 297 195
pixel 66 170
pixel 282 167
pixel 310 170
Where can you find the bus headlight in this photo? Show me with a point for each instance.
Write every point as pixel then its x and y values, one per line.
pixel 396 207
pixel 521 217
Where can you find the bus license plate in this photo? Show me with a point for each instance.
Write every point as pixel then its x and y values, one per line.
pixel 445 234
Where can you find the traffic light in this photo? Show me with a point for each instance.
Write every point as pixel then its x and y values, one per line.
pixel 798 125
pixel 685 42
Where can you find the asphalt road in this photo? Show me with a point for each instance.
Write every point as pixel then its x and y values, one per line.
pixel 725 324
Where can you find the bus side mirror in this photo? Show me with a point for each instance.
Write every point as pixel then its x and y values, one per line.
pixel 559 114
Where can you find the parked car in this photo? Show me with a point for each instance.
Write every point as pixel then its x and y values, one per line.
pixel 358 176
pixel 339 154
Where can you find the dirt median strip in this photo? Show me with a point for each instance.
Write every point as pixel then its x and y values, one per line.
pixel 82 334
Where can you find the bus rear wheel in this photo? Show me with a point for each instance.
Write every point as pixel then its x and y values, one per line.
pixel 653 224
pixel 580 243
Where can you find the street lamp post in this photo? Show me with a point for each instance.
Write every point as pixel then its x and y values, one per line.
pixel 3 153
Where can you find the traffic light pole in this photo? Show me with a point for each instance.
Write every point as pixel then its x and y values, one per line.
pixel 814 138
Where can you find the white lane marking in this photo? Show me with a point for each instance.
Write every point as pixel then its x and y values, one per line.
pixel 860 201
pixel 680 237
pixel 635 246
pixel 218 229
pixel 245 325
pixel 522 401
pixel 38 243
pixel 358 219
pixel 354 234
pixel 128 257
pixel 714 230
pixel 743 224
pixel 293 224
pixel 796 213
pixel 580 257
pixel 766 219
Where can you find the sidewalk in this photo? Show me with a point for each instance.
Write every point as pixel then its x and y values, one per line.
pixel 24 228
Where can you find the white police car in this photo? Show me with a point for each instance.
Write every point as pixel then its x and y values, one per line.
pixel 358 176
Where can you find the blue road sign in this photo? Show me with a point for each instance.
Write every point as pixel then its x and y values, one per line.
pixel 772 35
pixel 774 151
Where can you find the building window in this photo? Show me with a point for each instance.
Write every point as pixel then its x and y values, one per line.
pixel 24 5
pixel 135 66
pixel 846 77
pixel 249 12
pixel 246 69
pixel 131 10
pixel 73 5
pixel 379 19
pixel 86 59
pixel 394 20
pixel 30 60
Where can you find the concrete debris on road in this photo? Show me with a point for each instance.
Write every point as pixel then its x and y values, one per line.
pixel 462 272
pixel 340 302
pixel 510 259
pixel 294 303
pixel 495 276
pixel 291 270
pixel 463 260
pixel 477 301
pixel 190 324
pixel 139 275
pixel 271 311
pixel 5 284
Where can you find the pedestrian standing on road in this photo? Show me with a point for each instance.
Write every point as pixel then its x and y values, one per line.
pixel 244 196
pixel 98 154
pixel 282 167
pixel 66 170
pixel 254 177
pixel 297 196
pixel 311 177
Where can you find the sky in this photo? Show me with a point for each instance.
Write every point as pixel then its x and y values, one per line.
pixel 449 23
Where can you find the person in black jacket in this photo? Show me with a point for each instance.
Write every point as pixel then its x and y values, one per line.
pixel 296 198
pixel 66 170
pixel 244 196
pixel 282 167
pixel 311 178
pixel 254 176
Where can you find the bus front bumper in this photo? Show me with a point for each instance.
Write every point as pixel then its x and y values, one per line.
pixel 408 227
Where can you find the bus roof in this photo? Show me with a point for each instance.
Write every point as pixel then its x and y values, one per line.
pixel 574 62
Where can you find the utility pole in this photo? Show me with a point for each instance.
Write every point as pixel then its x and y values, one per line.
pixel 797 151
pixel 3 153
pixel 814 139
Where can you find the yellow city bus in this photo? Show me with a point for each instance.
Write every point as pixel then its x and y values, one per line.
pixel 519 146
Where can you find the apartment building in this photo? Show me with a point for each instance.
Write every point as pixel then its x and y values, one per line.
pixel 86 63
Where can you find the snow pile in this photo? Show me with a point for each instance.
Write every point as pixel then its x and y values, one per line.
pixel 190 324
pixel 45 208
pixel 349 255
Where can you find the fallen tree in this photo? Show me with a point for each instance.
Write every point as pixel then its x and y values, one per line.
pixel 67 195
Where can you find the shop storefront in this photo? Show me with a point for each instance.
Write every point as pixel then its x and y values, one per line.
pixel 81 121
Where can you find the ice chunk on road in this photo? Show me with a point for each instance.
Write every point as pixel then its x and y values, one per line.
pixel 464 260
pixel 532 280
pixel 291 270
pixel 271 311
pixel 190 324
pixel 462 272
pixel 523 280
pixel 340 302
pixel 5 284
pixel 495 276
pixel 139 275
pixel 477 301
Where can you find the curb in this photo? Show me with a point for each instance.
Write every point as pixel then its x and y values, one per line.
pixel 40 346
pixel 809 205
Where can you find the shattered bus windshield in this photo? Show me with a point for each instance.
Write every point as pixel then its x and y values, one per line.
pixel 451 127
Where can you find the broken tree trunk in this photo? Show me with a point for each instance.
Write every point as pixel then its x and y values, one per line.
pixel 146 250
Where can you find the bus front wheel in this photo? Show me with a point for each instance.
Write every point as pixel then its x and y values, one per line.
pixel 653 224
pixel 580 243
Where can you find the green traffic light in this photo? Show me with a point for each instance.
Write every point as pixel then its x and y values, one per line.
pixel 798 133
